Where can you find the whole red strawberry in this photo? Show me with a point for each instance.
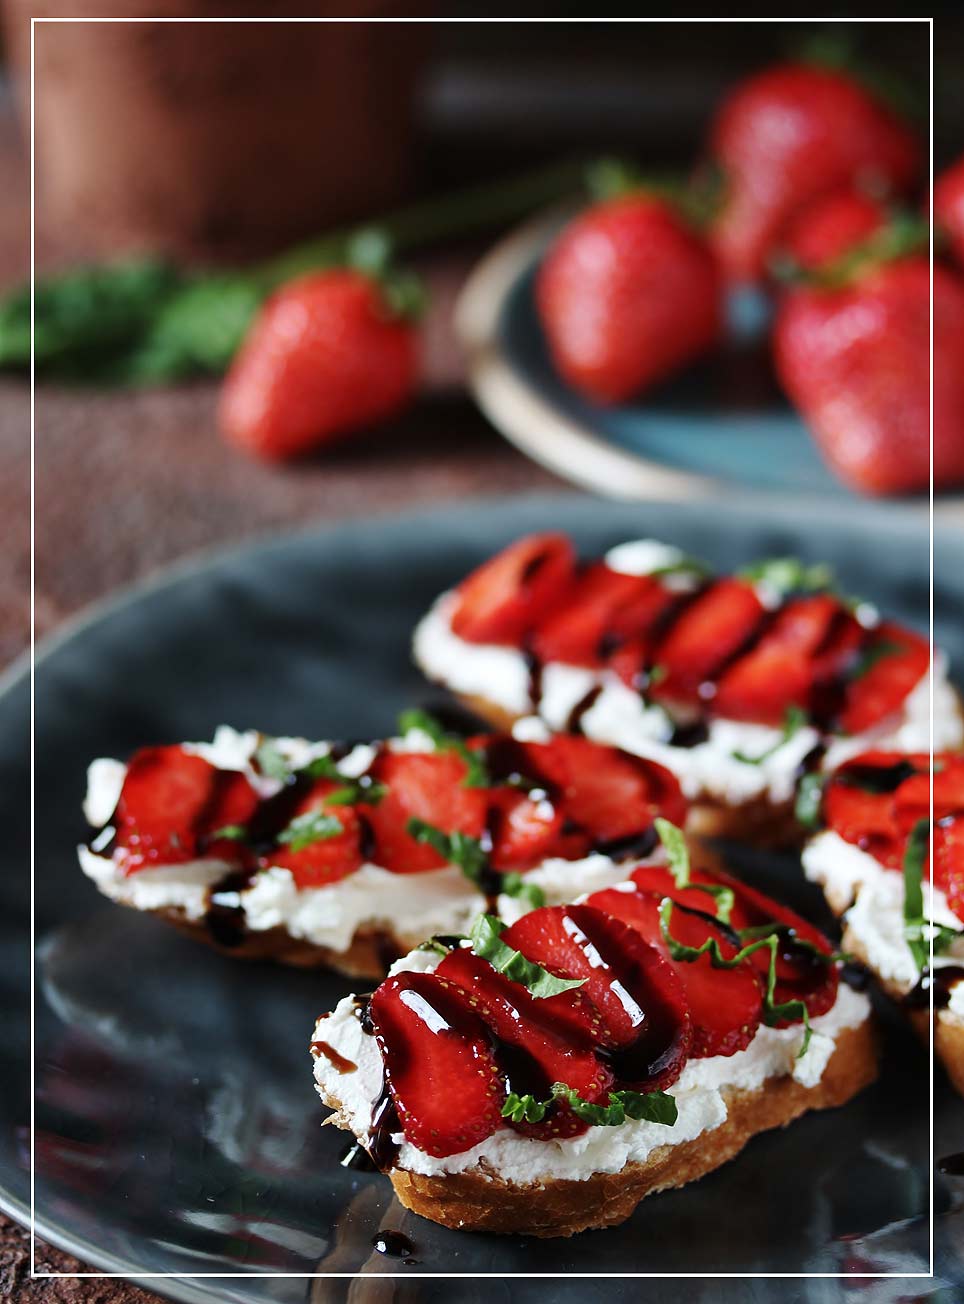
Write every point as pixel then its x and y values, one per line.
pixel 856 361
pixel 949 207
pixel 832 226
pixel 326 356
pixel 788 135
pixel 628 294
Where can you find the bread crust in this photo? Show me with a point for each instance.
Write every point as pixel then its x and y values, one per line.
pixel 760 822
pixel 948 1026
pixel 474 1201
pixel 371 952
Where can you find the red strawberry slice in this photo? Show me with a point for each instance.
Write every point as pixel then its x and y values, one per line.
pixel 421 786
pixel 162 806
pixel 326 859
pixel 525 830
pixel 659 879
pixel 639 997
pixel 949 862
pixel 603 609
pixel 864 818
pixel 533 1049
pixel 439 1064
pixel 881 688
pixel 712 629
pixel 912 798
pixel 801 976
pixel 725 1004
pixel 778 672
pixel 507 596
pixel 606 792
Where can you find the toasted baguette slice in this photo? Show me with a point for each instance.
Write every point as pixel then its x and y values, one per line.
pixel 867 893
pixel 477 1202
pixel 760 822
pixel 480 1200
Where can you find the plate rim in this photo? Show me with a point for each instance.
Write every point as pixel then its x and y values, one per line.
pixel 561 443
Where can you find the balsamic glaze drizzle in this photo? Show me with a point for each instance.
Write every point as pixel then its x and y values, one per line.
pixel 942 980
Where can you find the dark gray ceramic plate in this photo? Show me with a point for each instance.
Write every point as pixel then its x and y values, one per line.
pixel 177 1130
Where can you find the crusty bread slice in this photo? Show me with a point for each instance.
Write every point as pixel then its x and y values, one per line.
pixel 478 1201
pixel 948 1026
pixel 761 823
pixel 371 952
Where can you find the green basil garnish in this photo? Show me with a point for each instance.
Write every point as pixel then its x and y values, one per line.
pixel 678 856
pixel 487 943
pixel 314 826
pixel 457 848
pixel 477 776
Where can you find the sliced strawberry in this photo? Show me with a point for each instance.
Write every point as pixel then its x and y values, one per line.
pixel 439 1064
pixel 879 690
pixel 525 830
pixel 801 976
pixel 603 609
pixel 949 862
pixel 533 1049
pixel 912 798
pixel 659 879
pixel 606 792
pixel 639 997
pixel 162 805
pixel 778 672
pixel 833 662
pixel 233 804
pixel 326 859
pixel 425 786
pixel 507 596
pixel 710 630
pixel 725 1004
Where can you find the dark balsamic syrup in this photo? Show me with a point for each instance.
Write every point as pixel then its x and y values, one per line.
pixel 952 1165
pixel 357 1158
pixel 534 666
pixel 855 975
pixel 942 980
pixel 582 707
pixel 690 735
pixel 225 919
pixel 393 1244
pixel 334 1058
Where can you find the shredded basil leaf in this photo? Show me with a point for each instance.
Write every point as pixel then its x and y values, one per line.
pixel 872 654
pixel 685 566
pixel 515 885
pixel 653 1106
pixel 655 675
pixel 809 800
pixel 477 776
pixel 488 945
pixel 918 844
pixel 457 848
pixel 314 826
pixel 524 1109
pixel 271 763
pixel 772 1012
pixel 794 720
pixel 353 792
pixel 789 575
pixel 230 832
pixel 678 856
pixel 435 945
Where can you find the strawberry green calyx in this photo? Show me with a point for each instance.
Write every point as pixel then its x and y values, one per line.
pixel 695 199
pixel 902 236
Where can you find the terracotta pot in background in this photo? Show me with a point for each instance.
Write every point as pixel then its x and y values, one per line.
pixel 219 140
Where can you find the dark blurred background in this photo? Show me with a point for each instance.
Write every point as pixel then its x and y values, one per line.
pixel 193 160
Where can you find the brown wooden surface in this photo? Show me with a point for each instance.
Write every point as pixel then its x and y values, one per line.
pixel 128 482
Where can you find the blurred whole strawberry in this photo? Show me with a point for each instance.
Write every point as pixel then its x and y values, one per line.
pixel 628 294
pixel 784 137
pixel 830 227
pixel 949 207
pixel 855 359
pixel 327 355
